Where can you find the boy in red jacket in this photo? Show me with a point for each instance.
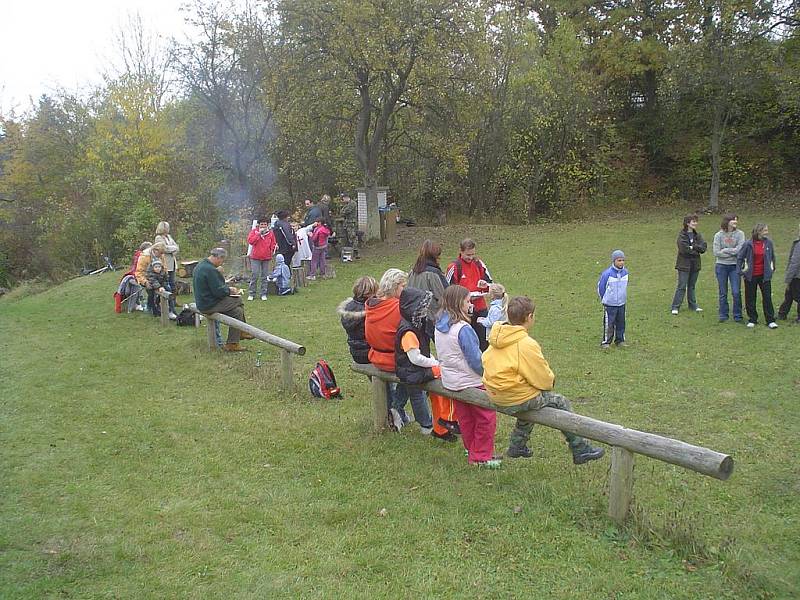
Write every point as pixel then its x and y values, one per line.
pixel 262 239
pixel 469 271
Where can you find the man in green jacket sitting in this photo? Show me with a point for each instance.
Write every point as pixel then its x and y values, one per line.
pixel 212 295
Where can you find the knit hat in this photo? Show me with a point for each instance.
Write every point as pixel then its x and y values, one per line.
pixel 156 263
pixel 617 254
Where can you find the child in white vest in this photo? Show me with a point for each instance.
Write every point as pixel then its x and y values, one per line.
pixel 459 354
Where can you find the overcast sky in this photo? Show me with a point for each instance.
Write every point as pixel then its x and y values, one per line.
pixel 46 44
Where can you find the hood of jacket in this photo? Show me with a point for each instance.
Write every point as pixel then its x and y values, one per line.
pixel 279 260
pixel 505 334
pixel 444 324
pixel 414 305
pixel 351 309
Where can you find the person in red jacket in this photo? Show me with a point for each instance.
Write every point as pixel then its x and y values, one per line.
pixel 262 239
pixel 470 272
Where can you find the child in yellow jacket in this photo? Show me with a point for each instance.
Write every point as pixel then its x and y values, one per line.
pixel 518 378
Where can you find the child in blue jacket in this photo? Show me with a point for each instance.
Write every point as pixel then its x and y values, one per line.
pixel 282 276
pixel 613 291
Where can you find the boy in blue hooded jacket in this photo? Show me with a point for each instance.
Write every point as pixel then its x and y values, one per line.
pixel 613 291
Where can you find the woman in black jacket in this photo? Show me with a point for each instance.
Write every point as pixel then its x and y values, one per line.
pixel 285 236
pixel 690 246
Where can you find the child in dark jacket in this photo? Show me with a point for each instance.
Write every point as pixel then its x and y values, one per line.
pixel 352 314
pixel 158 281
pixel 413 362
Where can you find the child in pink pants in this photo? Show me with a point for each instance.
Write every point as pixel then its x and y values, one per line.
pixel 459 354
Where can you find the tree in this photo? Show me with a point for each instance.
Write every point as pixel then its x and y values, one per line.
pixel 369 57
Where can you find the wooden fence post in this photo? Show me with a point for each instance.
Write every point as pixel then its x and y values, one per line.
pixel 287 379
pixel 164 310
pixel 380 404
pixel 212 333
pixel 621 485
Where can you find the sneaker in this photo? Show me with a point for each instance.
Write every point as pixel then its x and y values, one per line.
pixel 674 311
pixel 451 426
pixel 750 324
pixel 139 307
pixel 172 316
pixel 310 277
pixel 263 296
pixel 447 436
pixel 395 420
pixel 772 325
pixel 489 464
pixel 426 430
pixel 605 346
pixel 698 309
pixel 523 452
pixel 723 319
pixel 250 298
pixel 243 335
pixel 586 453
pixel 622 344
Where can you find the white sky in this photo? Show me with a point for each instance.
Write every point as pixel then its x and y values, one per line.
pixel 47 44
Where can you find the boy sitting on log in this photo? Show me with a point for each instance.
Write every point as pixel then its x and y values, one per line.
pixel 518 378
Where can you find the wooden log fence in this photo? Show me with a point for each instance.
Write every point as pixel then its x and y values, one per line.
pixel 163 299
pixel 287 347
pixel 625 443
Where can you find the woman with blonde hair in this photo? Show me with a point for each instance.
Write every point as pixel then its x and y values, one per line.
pixel 382 319
pixel 170 260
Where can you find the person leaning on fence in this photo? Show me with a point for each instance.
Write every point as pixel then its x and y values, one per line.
pixel 518 378
pixel 352 313
pixel 212 295
pixel 262 240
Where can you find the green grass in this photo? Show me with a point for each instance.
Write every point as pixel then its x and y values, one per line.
pixel 136 464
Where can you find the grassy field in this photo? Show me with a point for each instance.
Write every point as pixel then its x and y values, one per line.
pixel 136 464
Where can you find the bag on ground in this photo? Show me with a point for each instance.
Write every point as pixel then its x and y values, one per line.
pixel 322 382
pixel 185 317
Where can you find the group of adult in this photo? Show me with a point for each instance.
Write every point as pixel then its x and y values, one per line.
pixel 737 259
pixel 154 265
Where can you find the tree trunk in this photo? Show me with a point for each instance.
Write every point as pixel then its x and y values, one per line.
pixel 717 134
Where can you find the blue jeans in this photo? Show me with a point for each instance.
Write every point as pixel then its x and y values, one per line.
pixel 725 274
pixel 419 403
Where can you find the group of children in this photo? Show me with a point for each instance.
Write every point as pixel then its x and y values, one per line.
pixel 263 245
pixel 391 326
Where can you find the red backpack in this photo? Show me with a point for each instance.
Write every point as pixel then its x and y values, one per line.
pixel 322 382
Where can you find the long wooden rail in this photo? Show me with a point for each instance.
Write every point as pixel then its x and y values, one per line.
pixel 625 443
pixel 287 347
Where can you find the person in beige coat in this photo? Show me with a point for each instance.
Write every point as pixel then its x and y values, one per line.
pixel 170 255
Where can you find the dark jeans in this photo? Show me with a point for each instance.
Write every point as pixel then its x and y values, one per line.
pixel 233 307
pixel 729 274
pixel 613 324
pixel 750 286
pixel 686 283
pixel 401 394
pixel 792 294
pixel 480 329
pixel 288 254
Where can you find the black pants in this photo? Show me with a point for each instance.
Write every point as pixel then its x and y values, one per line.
pixel 480 329
pixel 750 286
pixel 792 294
pixel 287 255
